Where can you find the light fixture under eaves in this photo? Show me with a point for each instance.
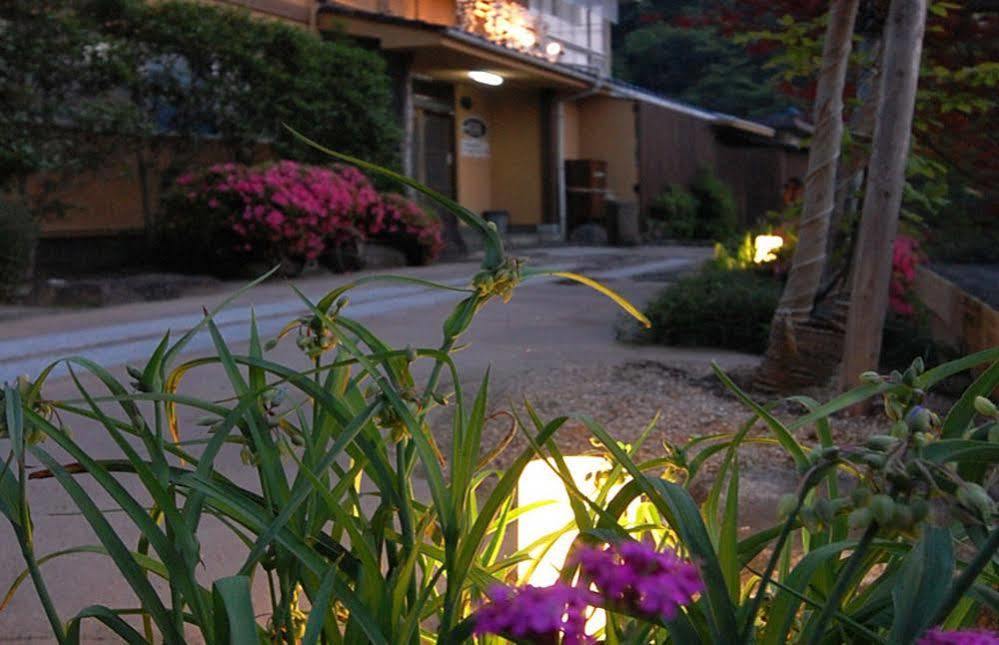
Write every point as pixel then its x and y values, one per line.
pixel 486 78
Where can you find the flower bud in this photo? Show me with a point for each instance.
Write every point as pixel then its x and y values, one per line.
pixel 903 518
pixel 881 442
pixel 919 419
pixel 861 496
pixel 985 407
pixel 809 519
pixel 975 498
pixel 883 508
pixel 871 378
pixel 860 518
pixel 900 430
pixel 824 510
pixel 787 503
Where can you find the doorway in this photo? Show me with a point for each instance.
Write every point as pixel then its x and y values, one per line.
pixel 433 149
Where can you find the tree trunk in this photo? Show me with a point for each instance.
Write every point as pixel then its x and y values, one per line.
pixel 823 160
pixel 808 263
pixel 871 273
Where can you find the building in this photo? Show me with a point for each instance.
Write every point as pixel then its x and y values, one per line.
pixel 497 98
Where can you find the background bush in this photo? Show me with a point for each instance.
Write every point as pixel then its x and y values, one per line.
pixel 119 75
pixel 18 235
pixel 716 308
pixel 678 210
pixel 717 217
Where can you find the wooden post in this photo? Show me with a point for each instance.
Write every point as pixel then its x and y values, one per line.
pixel 871 271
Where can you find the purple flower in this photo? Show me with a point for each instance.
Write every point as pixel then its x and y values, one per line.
pixel 537 613
pixel 634 575
pixel 964 637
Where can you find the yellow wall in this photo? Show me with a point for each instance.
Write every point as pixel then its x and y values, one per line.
pixel 517 156
pixel 474 174
pixel 607 132
pixel 511 178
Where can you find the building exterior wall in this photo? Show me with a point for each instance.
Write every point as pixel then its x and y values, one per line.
pixel 517 156
pixel 108 200
pixel 673 145
pixel 607 131
pixel 475 181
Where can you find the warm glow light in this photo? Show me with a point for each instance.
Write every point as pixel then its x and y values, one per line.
pixel 539 484
pixel 486 78
pixel 765 246
pixel 524 37
pixel 553 49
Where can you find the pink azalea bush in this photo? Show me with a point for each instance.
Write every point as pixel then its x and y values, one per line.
pixel 906 257
pixel 289 211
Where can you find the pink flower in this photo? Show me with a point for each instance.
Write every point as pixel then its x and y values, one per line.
pixel 274 219
pixel 906 257
pixel 635 575
pixel 965 637
pixel 541 613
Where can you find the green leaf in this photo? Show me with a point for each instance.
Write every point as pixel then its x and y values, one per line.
pixel 234 619
pixel 923 585
pixel 781 433
pixel 113 621
pixel 963 412
pixel 681 512
pixel 962 451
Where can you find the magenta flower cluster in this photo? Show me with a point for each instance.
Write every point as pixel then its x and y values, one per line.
pixel 636 576
pixel 630 576
pixel 537 614
pixel 963 637
pixel 293 210
pixel 906 258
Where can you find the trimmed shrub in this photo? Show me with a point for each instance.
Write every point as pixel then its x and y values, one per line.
pixel 677 208
pixel 230 216
pixel 717 217
pixel 18 237
pixel 716 308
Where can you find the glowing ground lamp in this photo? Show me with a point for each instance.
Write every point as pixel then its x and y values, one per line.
pixel 765 247
pixel 539 484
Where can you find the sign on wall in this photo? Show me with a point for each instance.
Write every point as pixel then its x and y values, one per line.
pixel 474 138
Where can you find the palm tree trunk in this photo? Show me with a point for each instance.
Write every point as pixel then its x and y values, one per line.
pixel 871 273
pixel 823 160
pixel 808 263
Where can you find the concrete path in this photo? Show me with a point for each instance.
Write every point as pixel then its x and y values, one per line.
pixel 547 325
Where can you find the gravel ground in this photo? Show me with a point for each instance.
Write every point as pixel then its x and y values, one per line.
pixel 624 398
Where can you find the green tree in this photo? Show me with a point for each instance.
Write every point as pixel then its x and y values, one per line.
pixel 697 65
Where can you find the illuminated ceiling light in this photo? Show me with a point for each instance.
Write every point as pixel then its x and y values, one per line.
pixel 553 49
pixel 765 246
pixel 486 78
